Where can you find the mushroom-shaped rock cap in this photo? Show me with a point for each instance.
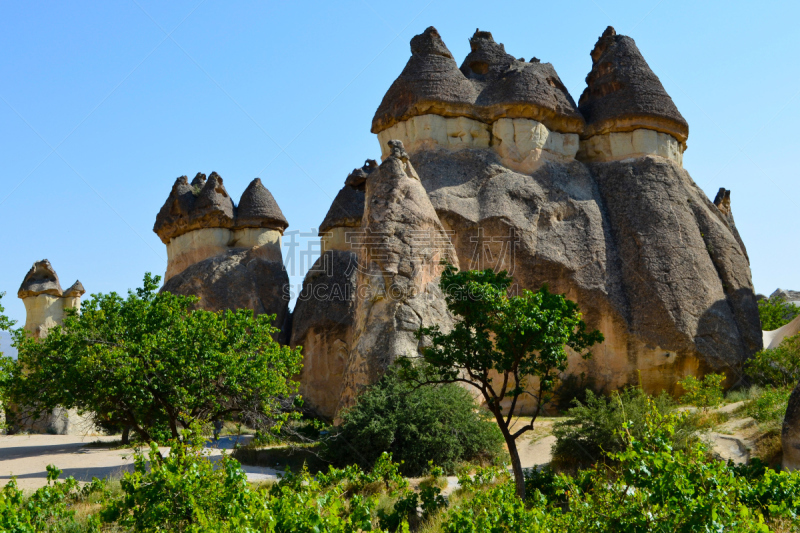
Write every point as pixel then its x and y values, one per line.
pixel 258 209
pixel 348 206
pixel 40 279
pixel 203 204
pixel 76 290
pixel 623 94
pixel 513 88
pixel 430 83
pixel 214 204
pixel 175 211
pixel 346 210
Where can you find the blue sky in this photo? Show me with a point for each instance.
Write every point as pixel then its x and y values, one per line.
pixel 104 104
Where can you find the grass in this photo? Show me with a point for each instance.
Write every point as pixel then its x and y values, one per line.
pixel 293 458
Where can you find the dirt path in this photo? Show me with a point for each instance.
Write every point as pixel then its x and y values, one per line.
pixel 27 457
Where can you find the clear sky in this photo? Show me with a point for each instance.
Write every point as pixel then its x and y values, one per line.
pixel 104 104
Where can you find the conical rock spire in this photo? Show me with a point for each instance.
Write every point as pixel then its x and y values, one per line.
pixel 623 93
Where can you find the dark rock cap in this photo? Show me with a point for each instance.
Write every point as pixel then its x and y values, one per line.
pixel 490 84
pixel 213 205
pixel 258 209
pixel 174 214
pixel 358 177
pixel 40 279
pixel 515 89
pixel 347 208
pixel 76 290
pixel 430 83
pixel 623 94
pixel 206 204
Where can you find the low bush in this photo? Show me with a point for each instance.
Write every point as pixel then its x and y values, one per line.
pixel 440 423
pixel 768 405
pixel 592 430
pixel 776 312
pixel 188 491
pixel 704 393
pixel 779 367
pixel 49 509
pixel 647 486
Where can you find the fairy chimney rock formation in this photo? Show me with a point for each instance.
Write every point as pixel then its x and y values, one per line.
pixel 323 318
pixel 520 109
pixel 45 307
pixel 199 221
pixel 399 264
pixel 344 216
pixel 227 255
pixel 45 302
pixel 591 199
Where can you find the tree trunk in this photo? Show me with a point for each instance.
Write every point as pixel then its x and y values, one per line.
pixel 516 464
pixel 173 426
pixel 126 435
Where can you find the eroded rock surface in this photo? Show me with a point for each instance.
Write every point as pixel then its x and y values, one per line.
pixel 228 256
pixel 790 433
pixel 322 323
pixel 591 200
pixel 399 267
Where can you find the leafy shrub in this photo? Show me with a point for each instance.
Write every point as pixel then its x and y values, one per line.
pixel 593 428
pixel 498 509
pixel 705 393
pixel 187 491
pixel 647 486
pixel 769 405
pixel 440 423
pixel 182 492
pixel 779 366
pixel 776 312
pixel 48 509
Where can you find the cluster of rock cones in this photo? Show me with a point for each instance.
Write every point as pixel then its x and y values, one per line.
pixel 493 165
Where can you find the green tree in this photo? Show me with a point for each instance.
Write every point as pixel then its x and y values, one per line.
pixel 6 363
pixel 501 344
pixel 776 312
pixel 149 361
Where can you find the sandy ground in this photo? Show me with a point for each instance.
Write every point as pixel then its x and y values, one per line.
pixel 26 457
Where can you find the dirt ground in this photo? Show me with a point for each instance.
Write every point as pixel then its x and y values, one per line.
pixel 26 457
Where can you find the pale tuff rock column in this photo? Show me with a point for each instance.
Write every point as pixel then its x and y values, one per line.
pixel 322 322
pixel 399 268
pixel 45 306
pixel 45 301
pixel 228 256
